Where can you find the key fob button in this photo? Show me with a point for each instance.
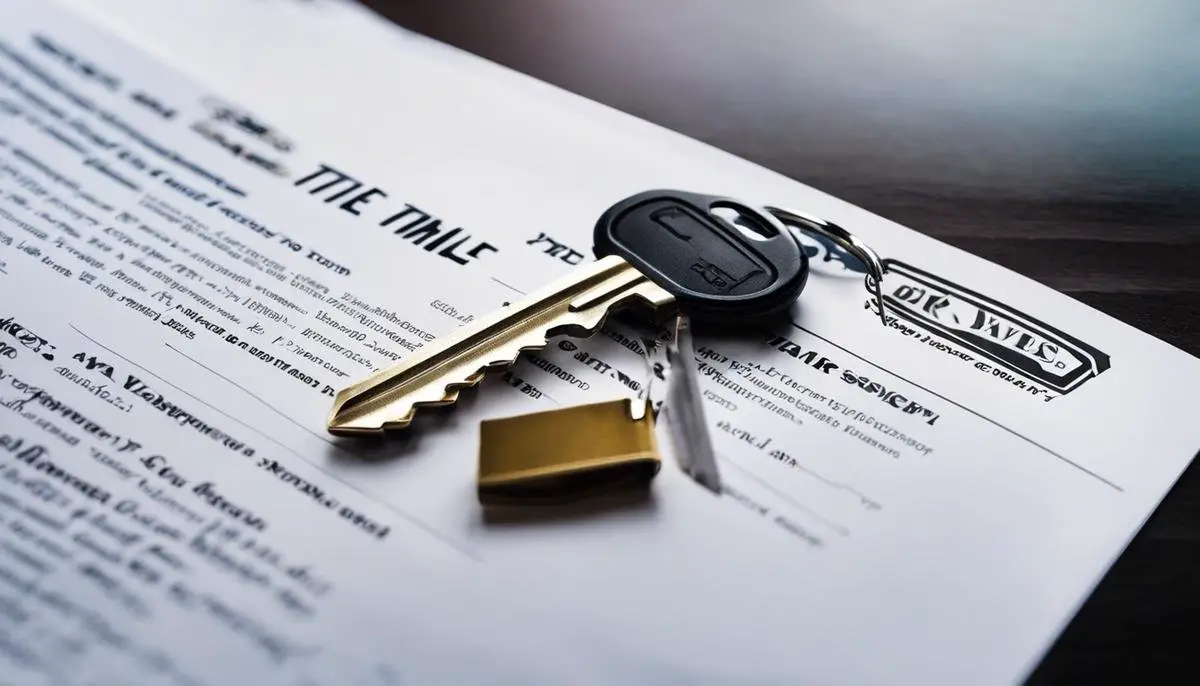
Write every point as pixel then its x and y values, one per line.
pixel 713 269
pixel 694 248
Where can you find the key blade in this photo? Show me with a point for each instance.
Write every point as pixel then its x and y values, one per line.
pixel 685 407
pixel 433 375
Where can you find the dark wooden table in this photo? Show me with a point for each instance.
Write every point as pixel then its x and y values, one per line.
pixel 1060 139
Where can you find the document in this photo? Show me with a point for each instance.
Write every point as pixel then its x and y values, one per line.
pixel 201 243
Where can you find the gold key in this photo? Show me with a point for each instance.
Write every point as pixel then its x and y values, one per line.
pixel 659 249
pixel 432 376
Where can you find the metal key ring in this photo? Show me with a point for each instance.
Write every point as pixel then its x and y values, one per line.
pixel 846 240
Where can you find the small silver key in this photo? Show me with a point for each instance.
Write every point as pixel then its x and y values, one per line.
pixel 684 408
pixel 667 250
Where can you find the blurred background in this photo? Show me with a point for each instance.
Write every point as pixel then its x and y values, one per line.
pixel 1057 138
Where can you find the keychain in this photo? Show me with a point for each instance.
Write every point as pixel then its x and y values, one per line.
pixel 806 223
pixel 567 453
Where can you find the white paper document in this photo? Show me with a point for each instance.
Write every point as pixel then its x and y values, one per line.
pixel 206 232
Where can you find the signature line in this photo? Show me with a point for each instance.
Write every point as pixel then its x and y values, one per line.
pixel 836 526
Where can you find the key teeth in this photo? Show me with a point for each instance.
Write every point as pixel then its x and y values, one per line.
pixel 351 417
pixel 451 391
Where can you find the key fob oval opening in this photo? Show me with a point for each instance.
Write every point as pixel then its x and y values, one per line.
pixel 714 270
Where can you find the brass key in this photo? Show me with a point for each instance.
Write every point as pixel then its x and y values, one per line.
pixel 433 375
pixel 660 249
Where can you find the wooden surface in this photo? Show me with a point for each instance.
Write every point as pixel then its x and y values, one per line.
pixel 1058 139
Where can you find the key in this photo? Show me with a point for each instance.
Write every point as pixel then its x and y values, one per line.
pixel 685 411
pixel 661 251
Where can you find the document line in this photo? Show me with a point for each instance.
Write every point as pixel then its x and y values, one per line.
pixel 408 517
pixel 836 526
pixel 1059 456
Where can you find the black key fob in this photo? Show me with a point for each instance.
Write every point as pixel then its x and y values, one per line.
pixel 723 261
